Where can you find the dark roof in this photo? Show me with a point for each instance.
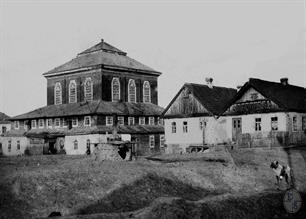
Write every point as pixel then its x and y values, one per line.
pixel 102 54
pixel 4 119
pixel 288 97
pixel 93 107
pixel 213 99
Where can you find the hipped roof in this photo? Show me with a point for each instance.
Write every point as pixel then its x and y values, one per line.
pixel 102 54
pixel 91 108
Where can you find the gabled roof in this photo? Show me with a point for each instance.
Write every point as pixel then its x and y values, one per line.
pixel 213 99
pixel 288 97
pixel 93 107
pixel 4 119
pixel 102 54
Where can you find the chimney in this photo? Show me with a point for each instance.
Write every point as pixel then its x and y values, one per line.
pixel 102 42
pixel 209 82
pixel 284 81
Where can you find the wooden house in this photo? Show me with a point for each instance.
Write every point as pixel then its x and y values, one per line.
pixel 99 92
pixel 265 113
pixel 192 117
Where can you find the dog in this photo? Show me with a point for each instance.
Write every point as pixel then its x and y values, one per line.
pixel 281 172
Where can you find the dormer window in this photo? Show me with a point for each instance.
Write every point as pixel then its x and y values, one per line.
pixel 88 91
pixel 115 89
pixel 58 93
pixel 72 92
pixel 132 91
pixel 146 92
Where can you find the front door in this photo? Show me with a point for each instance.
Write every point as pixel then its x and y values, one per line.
pixel 237 130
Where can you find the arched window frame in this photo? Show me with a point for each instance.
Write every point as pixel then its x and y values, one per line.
pixel 57 96
pixel 146 88
pixel 113 94
pixel 72 82
pixel 88 96
pixel 132 83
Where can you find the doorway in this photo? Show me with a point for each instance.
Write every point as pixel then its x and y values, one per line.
pixel 236 129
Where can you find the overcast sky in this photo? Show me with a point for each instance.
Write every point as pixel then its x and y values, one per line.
pixel 230 41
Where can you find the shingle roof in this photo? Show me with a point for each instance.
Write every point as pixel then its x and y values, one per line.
pixel 102 54
pixel 288 97
pixel 4 119
pixel 94 107
pixel 213 99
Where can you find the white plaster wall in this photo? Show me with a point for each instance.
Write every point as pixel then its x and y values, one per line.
pixel 248 122
pixel 82 139
pixel 8 127
pixel 24 142
pixel 216 131
pixel 193 136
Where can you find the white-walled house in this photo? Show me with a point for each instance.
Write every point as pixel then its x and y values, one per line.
pixel 267 114
pixel 192 117
pixel 5 126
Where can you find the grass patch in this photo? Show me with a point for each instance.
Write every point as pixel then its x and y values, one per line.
pixel 142 192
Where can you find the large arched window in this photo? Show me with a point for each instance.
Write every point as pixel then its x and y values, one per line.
pixel 88 92
pixel 132 91
pixel 146 92
pixel 115 89
pixel 58 93
pixel 72 92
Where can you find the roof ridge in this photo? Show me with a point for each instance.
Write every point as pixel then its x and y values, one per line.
pixel 274 82
pixel 189 83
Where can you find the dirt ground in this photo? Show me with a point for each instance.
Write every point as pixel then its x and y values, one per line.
pixel 219 183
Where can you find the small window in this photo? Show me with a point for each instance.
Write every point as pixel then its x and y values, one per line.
pixel 58 93
pixel 161 121
pixel 173 126
pixel 162 140
pixel 49 123
pixel 131 121
pixel 41 123
pixel 18 145
pixel 303 123
pixel 88 143
pixel 88 91
pixel 87 121
pixel 75 145
pixel 146 92
pixel 33 124
pixel 294 123
pixel 185 127
pixel 254 96
pixel 151 120
pixel 16 124
pixel 274 123
pixel 65 123
pixel 3 129
pixel 120 120
pixel 74 122
pixel 132 91
pixel 152 141
pixel 257 124
pixel 115 89
pixel 201 124
pixel 9 146
pixel 142 120
pixel 109 120
pixel 57 122
pixel 72 92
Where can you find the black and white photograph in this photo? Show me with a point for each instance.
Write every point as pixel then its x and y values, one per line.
pixel 152 109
